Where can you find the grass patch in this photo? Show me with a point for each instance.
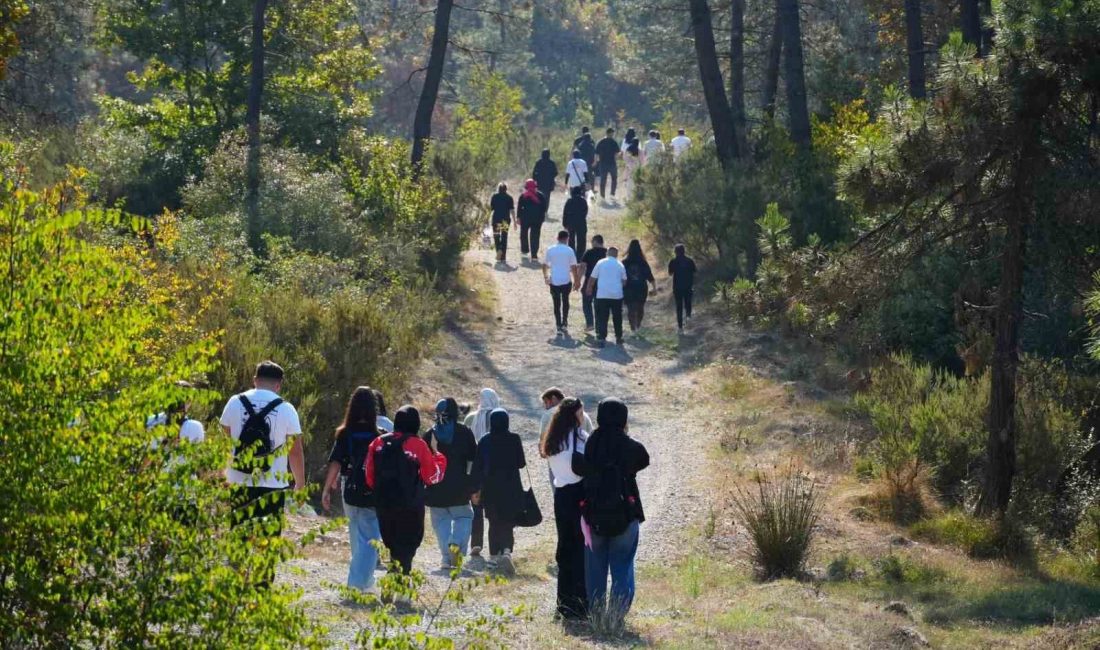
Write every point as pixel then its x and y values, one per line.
pixel 742 618
pixel 735 382
pixel 979 538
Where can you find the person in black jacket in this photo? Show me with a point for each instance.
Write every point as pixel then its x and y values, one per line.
pixel 574 218
pixel 608 151
pixel 545 173
pixel 639 279
pixel 531 212
pixel 611 452
pixel 682 271
pixel 449 500
pixel 499 459
pixel 591 257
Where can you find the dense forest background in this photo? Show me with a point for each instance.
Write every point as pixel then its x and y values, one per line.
pixel 189 186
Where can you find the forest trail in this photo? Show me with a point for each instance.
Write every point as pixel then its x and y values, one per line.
pixel 519 354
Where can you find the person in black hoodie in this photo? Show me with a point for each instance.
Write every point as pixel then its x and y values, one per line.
pixel 612 509
pixel 545 173
pixel 531 212
pixel 499 459
pixel 449 500
pixel 574 218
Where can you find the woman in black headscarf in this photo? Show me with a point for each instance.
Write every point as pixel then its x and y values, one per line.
pixel 499 459
pixel 612 509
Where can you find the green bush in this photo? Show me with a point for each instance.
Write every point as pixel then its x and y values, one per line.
pixel 902 569
pixel 979 538
pixel 94 551
pixel 780 513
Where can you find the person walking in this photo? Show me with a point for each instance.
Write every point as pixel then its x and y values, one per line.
pixel 188 431
pixel 681 269
pixel 545 173
pixel 345 464
pixel 503 217
pixel 652 148
pixel 607 150
pixel 574 218
pixel 551 398
pixel 591 258
pixel 478 422
pixel 564 436
pixel 576 172
pixel 530 213
pixel 449 500
pixel 639 279
pixel 680 144
pixel 563 275
pixel 632 151
pixel 612 508
pixel 499 459
pixel 587 146
pixel 399 466
pixel 265 431
pixel 606 283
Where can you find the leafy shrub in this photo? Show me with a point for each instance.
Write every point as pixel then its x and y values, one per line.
pixel 902 569
pixel 94 551
pixel 1086 539
pixel 843 568
pixel 780 514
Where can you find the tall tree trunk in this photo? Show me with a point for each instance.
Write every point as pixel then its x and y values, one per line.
pixel 422 122
pixel 1038 94
pixel 714 89
pixel 771 65
pixel 914 43
pixel 794 77
pixel 985 16
pixel 737 74
pixel 971 23
pixel 252 126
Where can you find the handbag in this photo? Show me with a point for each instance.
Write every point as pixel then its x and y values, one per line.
pixel 530 516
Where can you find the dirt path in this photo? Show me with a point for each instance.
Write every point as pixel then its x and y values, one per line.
pixel 520 355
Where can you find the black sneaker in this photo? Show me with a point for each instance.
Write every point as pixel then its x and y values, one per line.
pixel 619 342
pixel 601 343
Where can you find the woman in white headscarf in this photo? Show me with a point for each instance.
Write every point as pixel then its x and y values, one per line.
pixel 478 422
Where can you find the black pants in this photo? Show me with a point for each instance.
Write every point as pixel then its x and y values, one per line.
pixel 587 303
pixel 578 240
pixel 402 532
pixel 500 239
pixel 529 234
pixel 263 510
pixel 605 308
pixel 635 312
pixel 613 172
pixel 560 294
pixel 477 533
pixel 683 306
pixel 572 594
pixel 501 535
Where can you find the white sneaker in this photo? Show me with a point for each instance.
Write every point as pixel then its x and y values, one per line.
pixel 504 563
pixel 494 561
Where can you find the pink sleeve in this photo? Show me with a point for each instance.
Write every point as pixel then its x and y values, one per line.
pixel 368 464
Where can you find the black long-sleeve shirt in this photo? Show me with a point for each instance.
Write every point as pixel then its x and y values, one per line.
pixel 614 447
pixel 575 214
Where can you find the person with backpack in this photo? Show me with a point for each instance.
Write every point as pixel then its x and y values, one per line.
pixel 449 500
pixel 608 151
pixel 531 212
pixel 606 284
pixel 545 173
pixel 399 465
pixel 562 440
pixel 478 422
pixel 499 459
pixel 587 146
pixel 349 453
pixel 612 509
pixel 590 259
pixel 681 269
pixel 574 218
pixel 501 219
pixel 639 279
pixel 265 431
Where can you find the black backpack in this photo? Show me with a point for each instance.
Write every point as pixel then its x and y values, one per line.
pixel 607 508
pixel 254 449
pixel 397 481
pixel 587 149
pixel 356 491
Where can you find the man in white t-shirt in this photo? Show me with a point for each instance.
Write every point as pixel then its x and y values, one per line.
pixel 607 281
pixel 680 144
pixel 260 480
pixel 652 148
pixel 563 275
pixel 576 171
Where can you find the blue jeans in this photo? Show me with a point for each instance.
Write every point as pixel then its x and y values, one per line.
pixel 614 554
pixel 452 526
pixel 363 529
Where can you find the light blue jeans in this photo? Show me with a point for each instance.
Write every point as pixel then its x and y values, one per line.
pixel 614 555
pixel 362 529
pixel 452 526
